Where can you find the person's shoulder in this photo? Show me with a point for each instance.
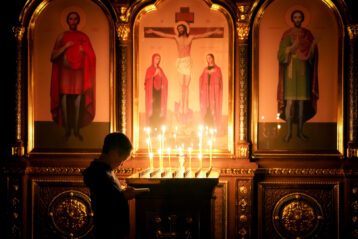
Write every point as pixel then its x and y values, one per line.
pixel 287 32
pixel 61 35
pixel 96 170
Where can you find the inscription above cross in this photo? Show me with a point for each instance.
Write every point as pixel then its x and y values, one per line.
pixel 184 15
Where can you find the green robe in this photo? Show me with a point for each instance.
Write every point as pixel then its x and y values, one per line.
pixel 298 71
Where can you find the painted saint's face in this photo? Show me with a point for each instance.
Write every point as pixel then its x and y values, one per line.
pixel 156 60
pixel 210 60
pixel 72 21
pixel 297 19
pixel 181 30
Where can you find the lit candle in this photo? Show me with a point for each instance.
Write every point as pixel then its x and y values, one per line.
pixel 211 145
pixel 210 152
pixel 151 160
pixel 189 150
pixel 160 152
pixel 149 141
pixel 148 145
pixel 211 135
pixel 200 134
pixel 160 159
pixel 170 166
pixel 278 124
pixel 181 159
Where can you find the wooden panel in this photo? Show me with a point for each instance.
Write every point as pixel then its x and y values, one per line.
pixel 59 194
pixel 298 209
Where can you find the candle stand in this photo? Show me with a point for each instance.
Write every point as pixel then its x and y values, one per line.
pixel 179 204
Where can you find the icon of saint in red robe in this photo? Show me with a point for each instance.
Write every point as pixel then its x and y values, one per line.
pixel 211 94
pixel 156 94
pixel 73 79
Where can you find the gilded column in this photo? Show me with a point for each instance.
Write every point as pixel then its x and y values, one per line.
pixel 352 74
pixel 241 89
pixel 18 148
pixel 123 30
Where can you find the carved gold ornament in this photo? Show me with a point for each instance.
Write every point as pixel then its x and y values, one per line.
pixel 71 214
pixel 243 30
pixel 123 30
pixel 297 215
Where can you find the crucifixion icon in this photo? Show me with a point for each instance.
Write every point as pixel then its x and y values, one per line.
pixel 183 35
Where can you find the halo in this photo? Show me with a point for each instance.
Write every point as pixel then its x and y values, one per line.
pixel 181 23
pixel 80 11
pixel 305 11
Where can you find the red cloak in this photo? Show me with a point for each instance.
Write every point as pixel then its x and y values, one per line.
pixel 76 61
pixel 307 51
pixel 211 95
pixel 159 82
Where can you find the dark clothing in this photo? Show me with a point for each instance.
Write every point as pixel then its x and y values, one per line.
pixel 110 207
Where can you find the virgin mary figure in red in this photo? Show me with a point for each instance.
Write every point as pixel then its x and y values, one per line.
pixel 156 94
pixel 211 94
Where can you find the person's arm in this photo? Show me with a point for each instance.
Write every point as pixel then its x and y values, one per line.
pixel 58 51
pixel 129 192
pixel 161 34
pixel 207 34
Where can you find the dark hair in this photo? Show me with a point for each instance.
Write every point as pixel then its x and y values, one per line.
pixel 76 13
pixel 297 11
pixel 116 141
pixel 212 55
pixel 185 29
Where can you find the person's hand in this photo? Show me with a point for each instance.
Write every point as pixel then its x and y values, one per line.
pixel 219 31
pixel 129 193
pixel 288 50
pixel 148 31
pixel 69 44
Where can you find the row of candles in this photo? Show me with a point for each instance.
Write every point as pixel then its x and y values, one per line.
pixel 180 151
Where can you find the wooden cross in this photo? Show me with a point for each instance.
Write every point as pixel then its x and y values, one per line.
pixel 187 16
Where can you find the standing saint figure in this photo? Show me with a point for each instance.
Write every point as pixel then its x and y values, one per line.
pixel 211 94
pixel 73 79
pixel 297 92
pixel 184 61
pixel 156 93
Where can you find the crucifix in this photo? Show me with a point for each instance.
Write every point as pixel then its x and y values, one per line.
pixel 180 33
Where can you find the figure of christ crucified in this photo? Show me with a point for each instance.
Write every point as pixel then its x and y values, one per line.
pixel 183 63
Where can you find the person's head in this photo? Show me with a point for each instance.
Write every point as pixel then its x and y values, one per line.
pixel 297 17
pixel 117 147
pixel 210 59
pixel 182 30
pixel 155 59
pixel 73 19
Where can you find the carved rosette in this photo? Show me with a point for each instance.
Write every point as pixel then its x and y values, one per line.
pixel 71 214
pixel 243 220
pixel 297 215
pixel 354 209
pixel 14 207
